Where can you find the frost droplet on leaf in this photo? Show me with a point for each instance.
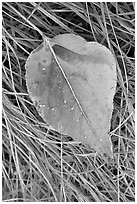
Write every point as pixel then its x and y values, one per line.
pixel 77 96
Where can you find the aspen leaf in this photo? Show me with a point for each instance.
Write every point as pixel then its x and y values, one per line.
pixel 72 86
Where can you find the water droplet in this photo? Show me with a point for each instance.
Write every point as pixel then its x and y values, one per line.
pixel 60 127
pixel 43 68
pixel 65 101
pixel 72 108
pixel 52 108
pixel 44 60
pixel 85 137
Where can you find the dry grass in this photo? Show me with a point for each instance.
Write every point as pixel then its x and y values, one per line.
pixel 37 165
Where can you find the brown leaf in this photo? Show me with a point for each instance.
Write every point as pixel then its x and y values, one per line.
pixel 74 92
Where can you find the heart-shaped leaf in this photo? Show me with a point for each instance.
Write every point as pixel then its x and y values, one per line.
pixel 72 84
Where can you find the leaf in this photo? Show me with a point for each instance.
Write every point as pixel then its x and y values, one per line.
pixel 72 86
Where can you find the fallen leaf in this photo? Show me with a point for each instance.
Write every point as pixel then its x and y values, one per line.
pixel 72 86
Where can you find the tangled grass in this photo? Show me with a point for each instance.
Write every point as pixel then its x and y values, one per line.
pixel 37 165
